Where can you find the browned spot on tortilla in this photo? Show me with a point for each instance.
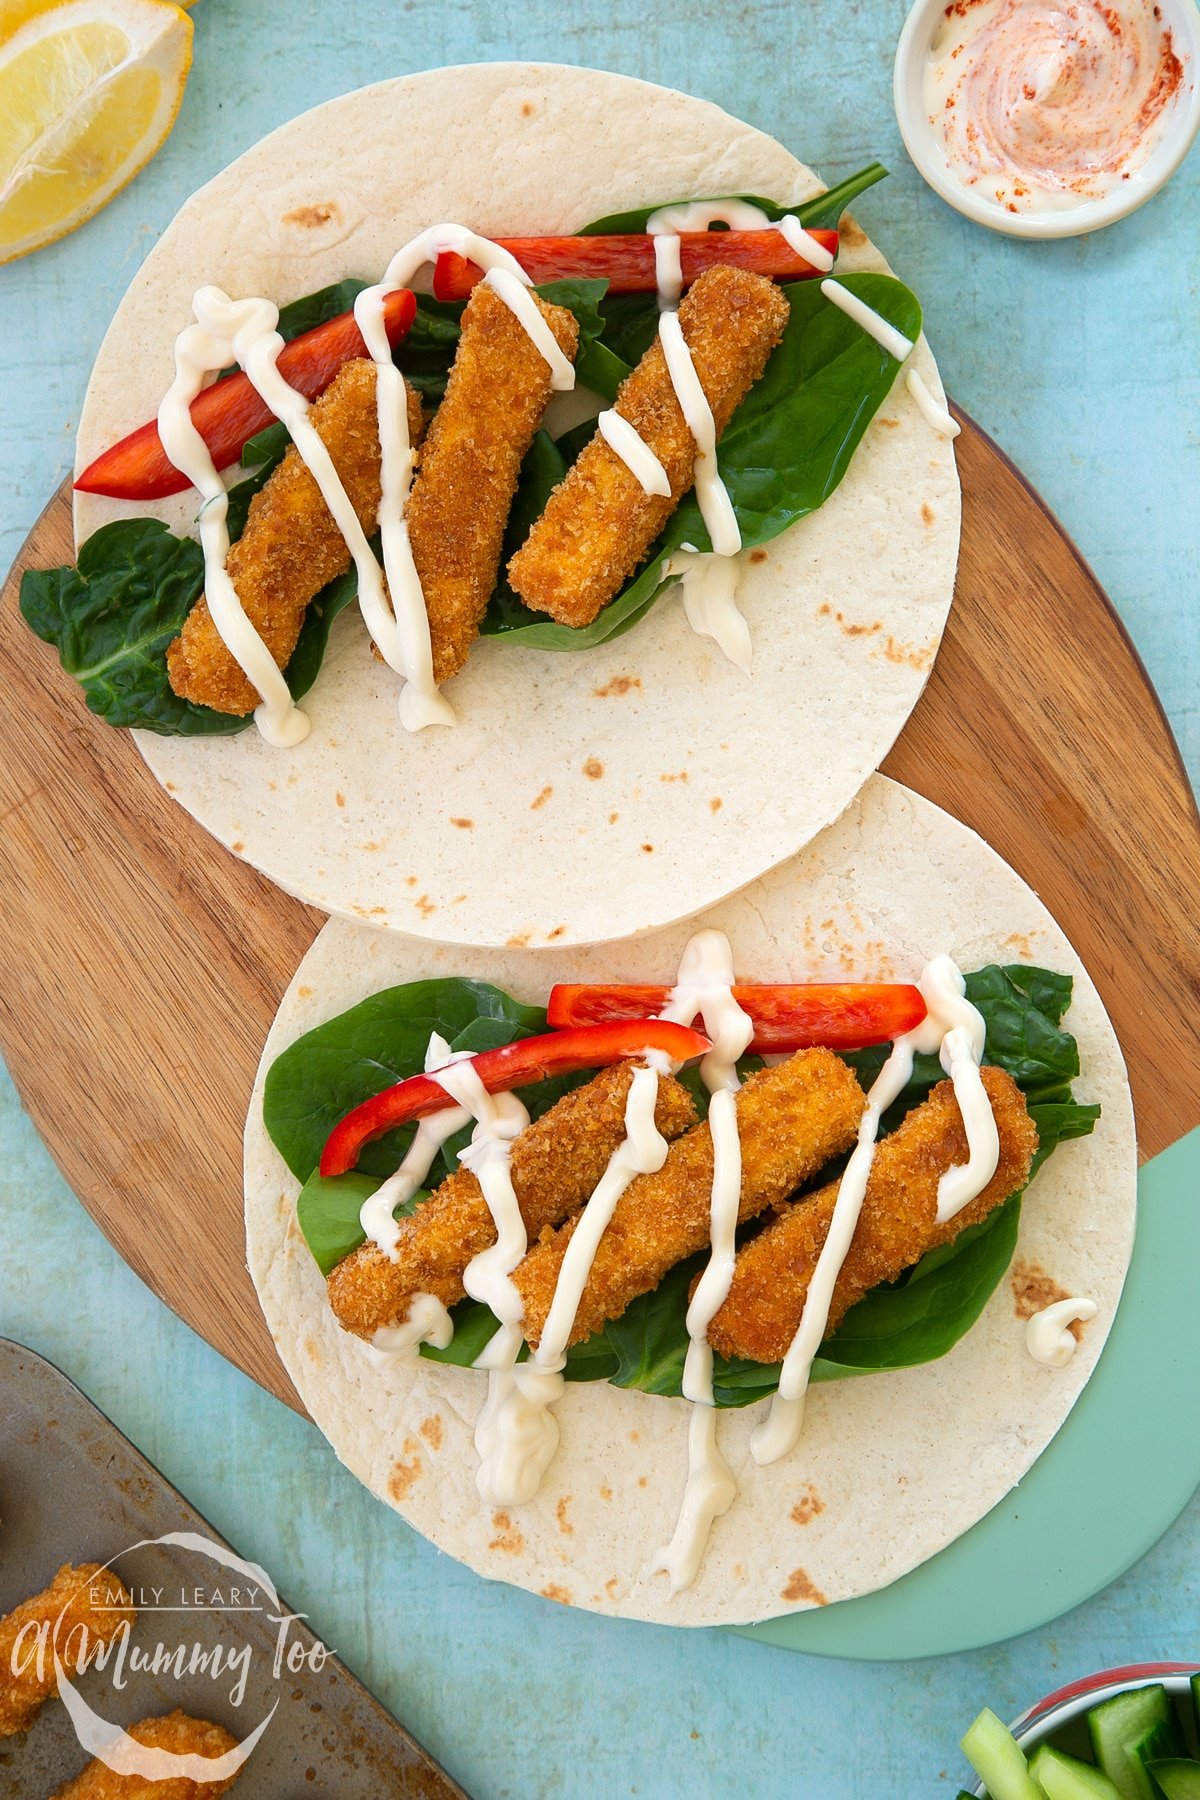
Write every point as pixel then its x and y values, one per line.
pixel 635 1437
pixel 404 1473
pixel 593 768
pixel 313 1351
pixel 807 1506
pixel 339 799
pixel 464 824
pixel 613 817
pixel 238 847
pixel 913 656
pixel 560 1513
pixel 425 906
pixel 854 629
pixel 800 1587
pixel 758 556
pixel 611 1587
pixel 433 1431
pixel 681 776
pixel 556 933
pixel 715 804
pixel 411 880
pixel 739 1570
pixel 554 1591
pixel 889 424
pixel 1021 942
pixel 371 846
pixel 851 232
pixel 527 109
pixel 649 849
pixel 541 799
pixel 642 1481
pixel 619 684
pixel 507 1537
pixel 304 993
pixel 458 899
pixel 311 218
pixel 605 1491
pixel 927 512
pixel 172 789
pixel 520 942
pixel 1033 1289
pixel 824 610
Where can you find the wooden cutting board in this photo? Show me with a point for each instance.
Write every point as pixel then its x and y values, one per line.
pixel 143 963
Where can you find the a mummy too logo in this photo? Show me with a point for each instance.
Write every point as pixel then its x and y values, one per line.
pixel 176 1627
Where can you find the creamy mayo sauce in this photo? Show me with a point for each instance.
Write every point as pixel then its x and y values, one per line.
pixel 225 331
pixel 932 411
pixel 873 323
pixel 633 450
pixel 1041 105
pixel 428 1322
pixel 956 1029
pixel 709 584
pixel 716 508
pixel 1047 1338
pixel 705 987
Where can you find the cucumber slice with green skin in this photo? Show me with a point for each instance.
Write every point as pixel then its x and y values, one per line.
pixel 1118 1726
pixel 1063 1777
pixel 1178 1778
pixel 996 1758
pixel 1162 1743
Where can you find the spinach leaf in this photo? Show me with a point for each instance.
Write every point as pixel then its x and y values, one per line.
pixel 785 451
pixel 915 1319
pixel 821 212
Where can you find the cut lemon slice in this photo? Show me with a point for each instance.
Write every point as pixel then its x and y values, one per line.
pixel 88 91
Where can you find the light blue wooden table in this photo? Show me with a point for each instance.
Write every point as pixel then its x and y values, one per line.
pixel 1081 359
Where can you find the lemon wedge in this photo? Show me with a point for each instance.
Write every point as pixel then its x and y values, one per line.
pixel 89 89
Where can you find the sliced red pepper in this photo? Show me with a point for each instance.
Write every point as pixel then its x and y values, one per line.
pixel 627 262
pixel 230 412
pixel 513 1065
pixel 841 1015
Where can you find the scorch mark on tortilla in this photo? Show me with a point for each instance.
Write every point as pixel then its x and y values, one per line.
pixel 619 684
pixel 541 799
pixel 508 1538
pixel 312 217
pixel 807 1506
pixel 432 1430
pixel 555 1591
pixel 560 1513
pixel 1033 1289
pixel 404 1473
pixel 801 1587
pixel 593 769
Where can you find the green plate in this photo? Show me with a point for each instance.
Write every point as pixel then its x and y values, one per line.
pixel 1126 1446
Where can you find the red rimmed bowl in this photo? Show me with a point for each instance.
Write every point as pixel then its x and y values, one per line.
pixel 1060 1717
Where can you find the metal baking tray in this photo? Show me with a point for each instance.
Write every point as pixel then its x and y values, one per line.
pixel 72 1489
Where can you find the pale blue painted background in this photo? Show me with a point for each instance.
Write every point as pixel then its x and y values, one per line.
pixel 1081 359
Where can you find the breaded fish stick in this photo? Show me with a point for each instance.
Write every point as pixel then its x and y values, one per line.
pixel 598 524
pixel 791 1120
pixel 177 1733
pixel 898 1223
pixel 290 547
pixel 498 390
pixel 89 1604
pixel 556 1163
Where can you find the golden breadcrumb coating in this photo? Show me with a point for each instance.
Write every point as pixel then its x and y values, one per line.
pixel 897 1226
pixel 498 389
pixel 791 1120
pixel 556 1163
pixel 90 1605
pixel 290 548
pixel 598 524
pixel 175 1732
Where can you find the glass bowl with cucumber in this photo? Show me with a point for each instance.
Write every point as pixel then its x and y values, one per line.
pixel 1125 1734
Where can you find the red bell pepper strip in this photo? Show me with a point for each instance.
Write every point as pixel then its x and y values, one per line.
pixel 627 262
pixel 230 412
pixel 513 1065
pixel 842 1016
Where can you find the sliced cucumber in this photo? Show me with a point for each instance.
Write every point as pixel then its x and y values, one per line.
pixel 996 1758
pixel 1063 1777
pixel 1118 1727
pixel 1178 1778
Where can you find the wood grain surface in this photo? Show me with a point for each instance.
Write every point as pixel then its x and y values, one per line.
pixel 143 963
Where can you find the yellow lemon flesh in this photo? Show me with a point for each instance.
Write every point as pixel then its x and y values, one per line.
pixel 88 91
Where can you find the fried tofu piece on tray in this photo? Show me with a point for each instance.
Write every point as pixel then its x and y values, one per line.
pixel 176 1733
pixel 83 1607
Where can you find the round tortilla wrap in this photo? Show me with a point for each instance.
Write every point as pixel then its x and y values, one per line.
pixel 646 754
pixel 891 1467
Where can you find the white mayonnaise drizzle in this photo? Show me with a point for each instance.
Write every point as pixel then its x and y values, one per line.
pixel 804 244
pixel 873 323
pixel 705 987
pixel 627 443
pixel 1046 1336
pixel 428 1322
pixel 932 411
pixel 228 331
pixel 957 1030
pixel 517 1434
pixel 709 585
pixel 668 270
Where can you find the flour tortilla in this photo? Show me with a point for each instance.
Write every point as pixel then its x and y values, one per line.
pixel 652 754
pixel 892 1467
